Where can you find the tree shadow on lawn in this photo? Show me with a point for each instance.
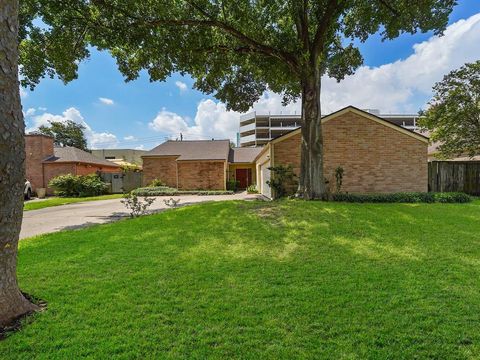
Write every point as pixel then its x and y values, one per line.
pixel 353 279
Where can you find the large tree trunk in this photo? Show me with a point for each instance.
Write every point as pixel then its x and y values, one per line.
pixel 12 161
pixel 312 182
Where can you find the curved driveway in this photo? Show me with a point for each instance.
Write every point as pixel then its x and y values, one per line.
pixel 78 215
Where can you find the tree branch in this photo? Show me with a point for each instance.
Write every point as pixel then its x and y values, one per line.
pixel 333 8
pixel 265 49
pixel 212 22
pixel 301 23
pixel 389 7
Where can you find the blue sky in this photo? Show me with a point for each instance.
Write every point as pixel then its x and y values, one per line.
pixel 143 114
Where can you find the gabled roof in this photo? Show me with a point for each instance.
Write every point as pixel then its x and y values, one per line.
pixel 192 150
pixel 69 154
pixel 364 114
pixel 243 154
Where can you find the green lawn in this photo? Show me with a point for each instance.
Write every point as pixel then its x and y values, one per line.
pixel 56 201
pixel 258 280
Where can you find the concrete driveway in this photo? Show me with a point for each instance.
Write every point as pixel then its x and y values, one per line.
pixel 78 215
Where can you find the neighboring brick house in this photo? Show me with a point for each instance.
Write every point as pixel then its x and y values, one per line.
pixel 199 165
pixel 376 155
pixel 44 161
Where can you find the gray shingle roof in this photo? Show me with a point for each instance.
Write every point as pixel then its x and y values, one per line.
pixel 71 154
pixel 244 155
pixel 193 149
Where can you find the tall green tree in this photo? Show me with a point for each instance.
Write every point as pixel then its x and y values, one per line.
pixel 233 49
pixel 453 114
pixel 12 162
pixel 67 133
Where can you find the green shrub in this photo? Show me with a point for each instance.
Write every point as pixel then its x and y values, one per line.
pixel 452 197
pixel 232 185
pixel 339 178
pixel 413 197
pixel 283 180
pixel 252 189
pixel 167 191
pixel 157 183
pixel 78 186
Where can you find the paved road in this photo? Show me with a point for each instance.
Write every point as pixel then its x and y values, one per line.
pixel 78 215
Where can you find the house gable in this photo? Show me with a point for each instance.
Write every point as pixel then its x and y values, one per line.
pixel 363 114
pixel 375 156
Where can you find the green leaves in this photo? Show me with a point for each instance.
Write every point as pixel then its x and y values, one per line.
pixel 233 49
pixel 67 133
pixel 453 116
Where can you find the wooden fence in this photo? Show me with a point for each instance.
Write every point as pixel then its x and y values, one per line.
pixel 461 176
pixel 122 181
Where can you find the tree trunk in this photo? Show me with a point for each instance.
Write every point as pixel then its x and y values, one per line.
pixel 12 161
pixel 312 182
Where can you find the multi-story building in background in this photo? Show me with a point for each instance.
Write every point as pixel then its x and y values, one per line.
pixel 258 129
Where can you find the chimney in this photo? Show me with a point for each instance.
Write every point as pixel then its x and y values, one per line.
pixel 37 148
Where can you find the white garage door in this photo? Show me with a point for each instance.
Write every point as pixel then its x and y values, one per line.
pixel 265 190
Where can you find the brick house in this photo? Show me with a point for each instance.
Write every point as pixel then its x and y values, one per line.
pixel 199 164
pixel 376 155
pixel 44 161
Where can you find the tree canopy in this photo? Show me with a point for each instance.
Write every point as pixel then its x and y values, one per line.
pixel 67 133
pixel 453 114
pixel 233 49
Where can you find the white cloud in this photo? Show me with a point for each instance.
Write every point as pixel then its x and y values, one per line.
pixel 23 93
pixel 95 139
pixel 181 86
pixel 211 121
pixel 130 138
pixel 41 108
pixel 29 112
pixel 106 101
pixel 405 85
pixel 140 147
pixel 168 122
pixel 102 140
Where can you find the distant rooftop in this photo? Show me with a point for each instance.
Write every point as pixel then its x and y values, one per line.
pixel 72 154
pixel 193 149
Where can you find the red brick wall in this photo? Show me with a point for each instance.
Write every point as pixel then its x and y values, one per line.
pixel 288 152
pixel 52 170
pixel 37 148
pixel 164 169
pixel 375 157
pixel 201 175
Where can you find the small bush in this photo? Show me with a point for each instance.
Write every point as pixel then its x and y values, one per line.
pixel 402 198
pixel 452 197
pixel 252 189
pixel 339 178
pixel 283 180
pixel 78 186
pixel 167 191
pixel 135 205
pixel 157 183
pixel 232 185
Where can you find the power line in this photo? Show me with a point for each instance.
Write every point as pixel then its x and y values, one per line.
pixel 150 139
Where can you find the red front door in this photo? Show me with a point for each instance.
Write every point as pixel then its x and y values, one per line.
pixel 242 177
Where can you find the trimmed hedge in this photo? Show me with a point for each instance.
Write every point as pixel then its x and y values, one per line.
pixel 168 191
pixel 449 197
